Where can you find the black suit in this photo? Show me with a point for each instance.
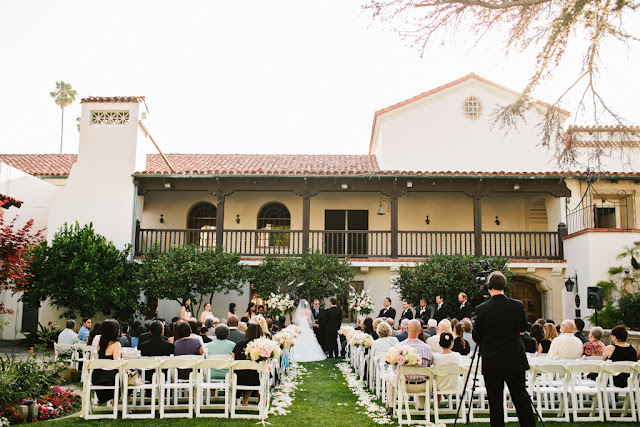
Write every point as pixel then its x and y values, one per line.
pixel 464 311
pixel 441 313
pixel 497 330
pixel 156 345
pixel 402 336
pixel 330 323
pixel 406 314
pixel 316 319
pixel 423 313
pixel 388 312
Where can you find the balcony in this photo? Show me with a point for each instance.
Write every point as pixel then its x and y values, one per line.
pixel 361 244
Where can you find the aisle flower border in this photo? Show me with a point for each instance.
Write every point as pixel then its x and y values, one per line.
pixel 373 410
pixel 284 393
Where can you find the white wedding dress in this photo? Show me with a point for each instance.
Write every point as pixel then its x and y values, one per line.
pixel 307 348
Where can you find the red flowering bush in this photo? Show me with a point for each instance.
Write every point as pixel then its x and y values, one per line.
pixel 58 402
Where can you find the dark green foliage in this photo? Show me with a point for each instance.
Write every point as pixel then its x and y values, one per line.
pixel 630 310
pixel 83 273
pixel 23 379
pixel 190 272
pixel 311 276
pixel 607 290
pixel 615 270
pixel 447 275
pixel 608 317
pixel 44 336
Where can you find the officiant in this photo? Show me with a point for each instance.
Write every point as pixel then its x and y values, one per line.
pixel 317 313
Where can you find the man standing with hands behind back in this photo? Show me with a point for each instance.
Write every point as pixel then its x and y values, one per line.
pixel 317 313
pixel 330 323
pixel 497 330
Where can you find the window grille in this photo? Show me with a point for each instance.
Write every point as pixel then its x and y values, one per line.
pixel 109 117
pixel 472 107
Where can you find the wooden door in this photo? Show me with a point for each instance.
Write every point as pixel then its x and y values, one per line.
pixel 530 296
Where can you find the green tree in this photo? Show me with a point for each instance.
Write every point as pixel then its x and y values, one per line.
pixel 548 27
pixel 191 273
pixel 447 275
pixel 83 273
pixel 64 95
pixel 274 275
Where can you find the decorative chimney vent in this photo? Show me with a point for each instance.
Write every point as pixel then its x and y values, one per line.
pixel 472 107
pixel 109 117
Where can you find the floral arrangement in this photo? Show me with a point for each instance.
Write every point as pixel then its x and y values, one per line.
pixel 360 338
pixel 360 303
pixel 286 338
pixel 293 329
pixel 262 349
pixel 347 332
pixel 279 305
pixel 403 355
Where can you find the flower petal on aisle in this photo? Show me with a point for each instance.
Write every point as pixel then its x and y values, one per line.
pixel 284 393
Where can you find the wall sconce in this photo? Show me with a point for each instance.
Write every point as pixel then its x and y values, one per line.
pixel 497 221
pixel 161 219
pixel 167 185
pixel 427 220
pixel 238 219
pixel 344 186
pixel 570 281
pixel 516 187
pixel 409 184
pixel 381 210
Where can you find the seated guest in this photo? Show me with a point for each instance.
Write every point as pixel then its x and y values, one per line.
pixel 376 322
pixel 210 328
pixel 566 345
pixel 385 340
pixel 460 345
pixel 234 334
pixel 242 327
pixel 244 319
pixel 390 322
pixel 550 332
pixel 594 347
pixel 135 338
pixel 402 335
pixel 204 335
pixel 94 336
pixel 431 330
pixel 447 357
pixel 247 377
pixel 195 331
pixel 68 336
pixel 124 330
pixel 434 341
pixel 157 344
pixel 270 325
pixel 281 322
pixel 220 346
pixel 85 330
pixel 367 326
pixel 185 345
pixel 620 351
pixel 108 348
pixel 530 345
pixel 468 326
pixel 146 335
pixel 359 322
pixel 537 333
pixel 578 332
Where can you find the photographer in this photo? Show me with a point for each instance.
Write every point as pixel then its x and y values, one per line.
pixel 497 331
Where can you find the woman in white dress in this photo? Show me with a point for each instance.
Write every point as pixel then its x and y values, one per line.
pixel 307 348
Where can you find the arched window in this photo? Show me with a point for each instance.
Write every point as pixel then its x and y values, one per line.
pixel 202 215
pixel 274 216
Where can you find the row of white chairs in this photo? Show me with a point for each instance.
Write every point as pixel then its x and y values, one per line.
pixel 162 390
pixel 561 390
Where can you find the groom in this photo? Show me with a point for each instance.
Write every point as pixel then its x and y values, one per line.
pixel 330 323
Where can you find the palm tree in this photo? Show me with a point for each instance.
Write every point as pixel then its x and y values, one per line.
pixel 631 252
pixel 64 95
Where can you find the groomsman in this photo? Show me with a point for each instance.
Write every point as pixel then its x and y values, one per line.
pixel 465 308
pixel 406 311
pixel 387 311
pixel 423 311
pixel 317 313
pixel 442 311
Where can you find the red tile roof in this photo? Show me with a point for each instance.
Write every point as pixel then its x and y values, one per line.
pixel 113 99
pixel 6 202
pixel 41 164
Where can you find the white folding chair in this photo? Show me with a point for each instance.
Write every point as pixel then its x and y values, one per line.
pixel 550 387
pixel 260 409
pixel 206 386
pixel 380 369
pixel 478 401
pixel 586 394
pixel 450 392
pixel 89 410
pixel 142 405
pixel 615 410
pixel 175 391
pixel 403 395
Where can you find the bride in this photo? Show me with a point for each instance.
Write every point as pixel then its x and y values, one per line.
pixel 307 348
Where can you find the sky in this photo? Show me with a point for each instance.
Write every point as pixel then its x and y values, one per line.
pixel 290 76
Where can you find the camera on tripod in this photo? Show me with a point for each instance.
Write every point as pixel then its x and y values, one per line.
pixel 483 275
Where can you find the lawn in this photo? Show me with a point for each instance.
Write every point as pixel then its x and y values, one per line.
pixel 316 405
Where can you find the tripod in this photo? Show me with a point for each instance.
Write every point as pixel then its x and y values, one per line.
pixel 473 388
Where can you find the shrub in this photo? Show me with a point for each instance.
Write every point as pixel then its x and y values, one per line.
pixel 607 290
pixel 615 270
pixel 608 317
pixel 43 336
pixel 630 310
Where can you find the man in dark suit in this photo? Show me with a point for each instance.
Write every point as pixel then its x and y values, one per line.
pixel 316 314
pixel 423 312
pixel 234 334
pixel 330 323
pixel 465 309
pixel 497 330
pixel 406 311
pixel 442 311
pixel 156 345
pixel 387 311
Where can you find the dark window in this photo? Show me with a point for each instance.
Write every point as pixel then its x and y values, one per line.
pixel 201 215
pixel 605 217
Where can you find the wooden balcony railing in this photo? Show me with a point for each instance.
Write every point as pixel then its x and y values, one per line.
pixel 360 244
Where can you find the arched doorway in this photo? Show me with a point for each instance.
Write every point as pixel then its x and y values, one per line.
pixel 528 293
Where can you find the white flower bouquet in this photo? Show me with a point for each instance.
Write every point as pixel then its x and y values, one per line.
pixel 279 305
pixel 262 349
pixel 360 303
pixel 293 330
pixel 347 332
pixel 403 355
pixel 360 338
pixel 286 338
